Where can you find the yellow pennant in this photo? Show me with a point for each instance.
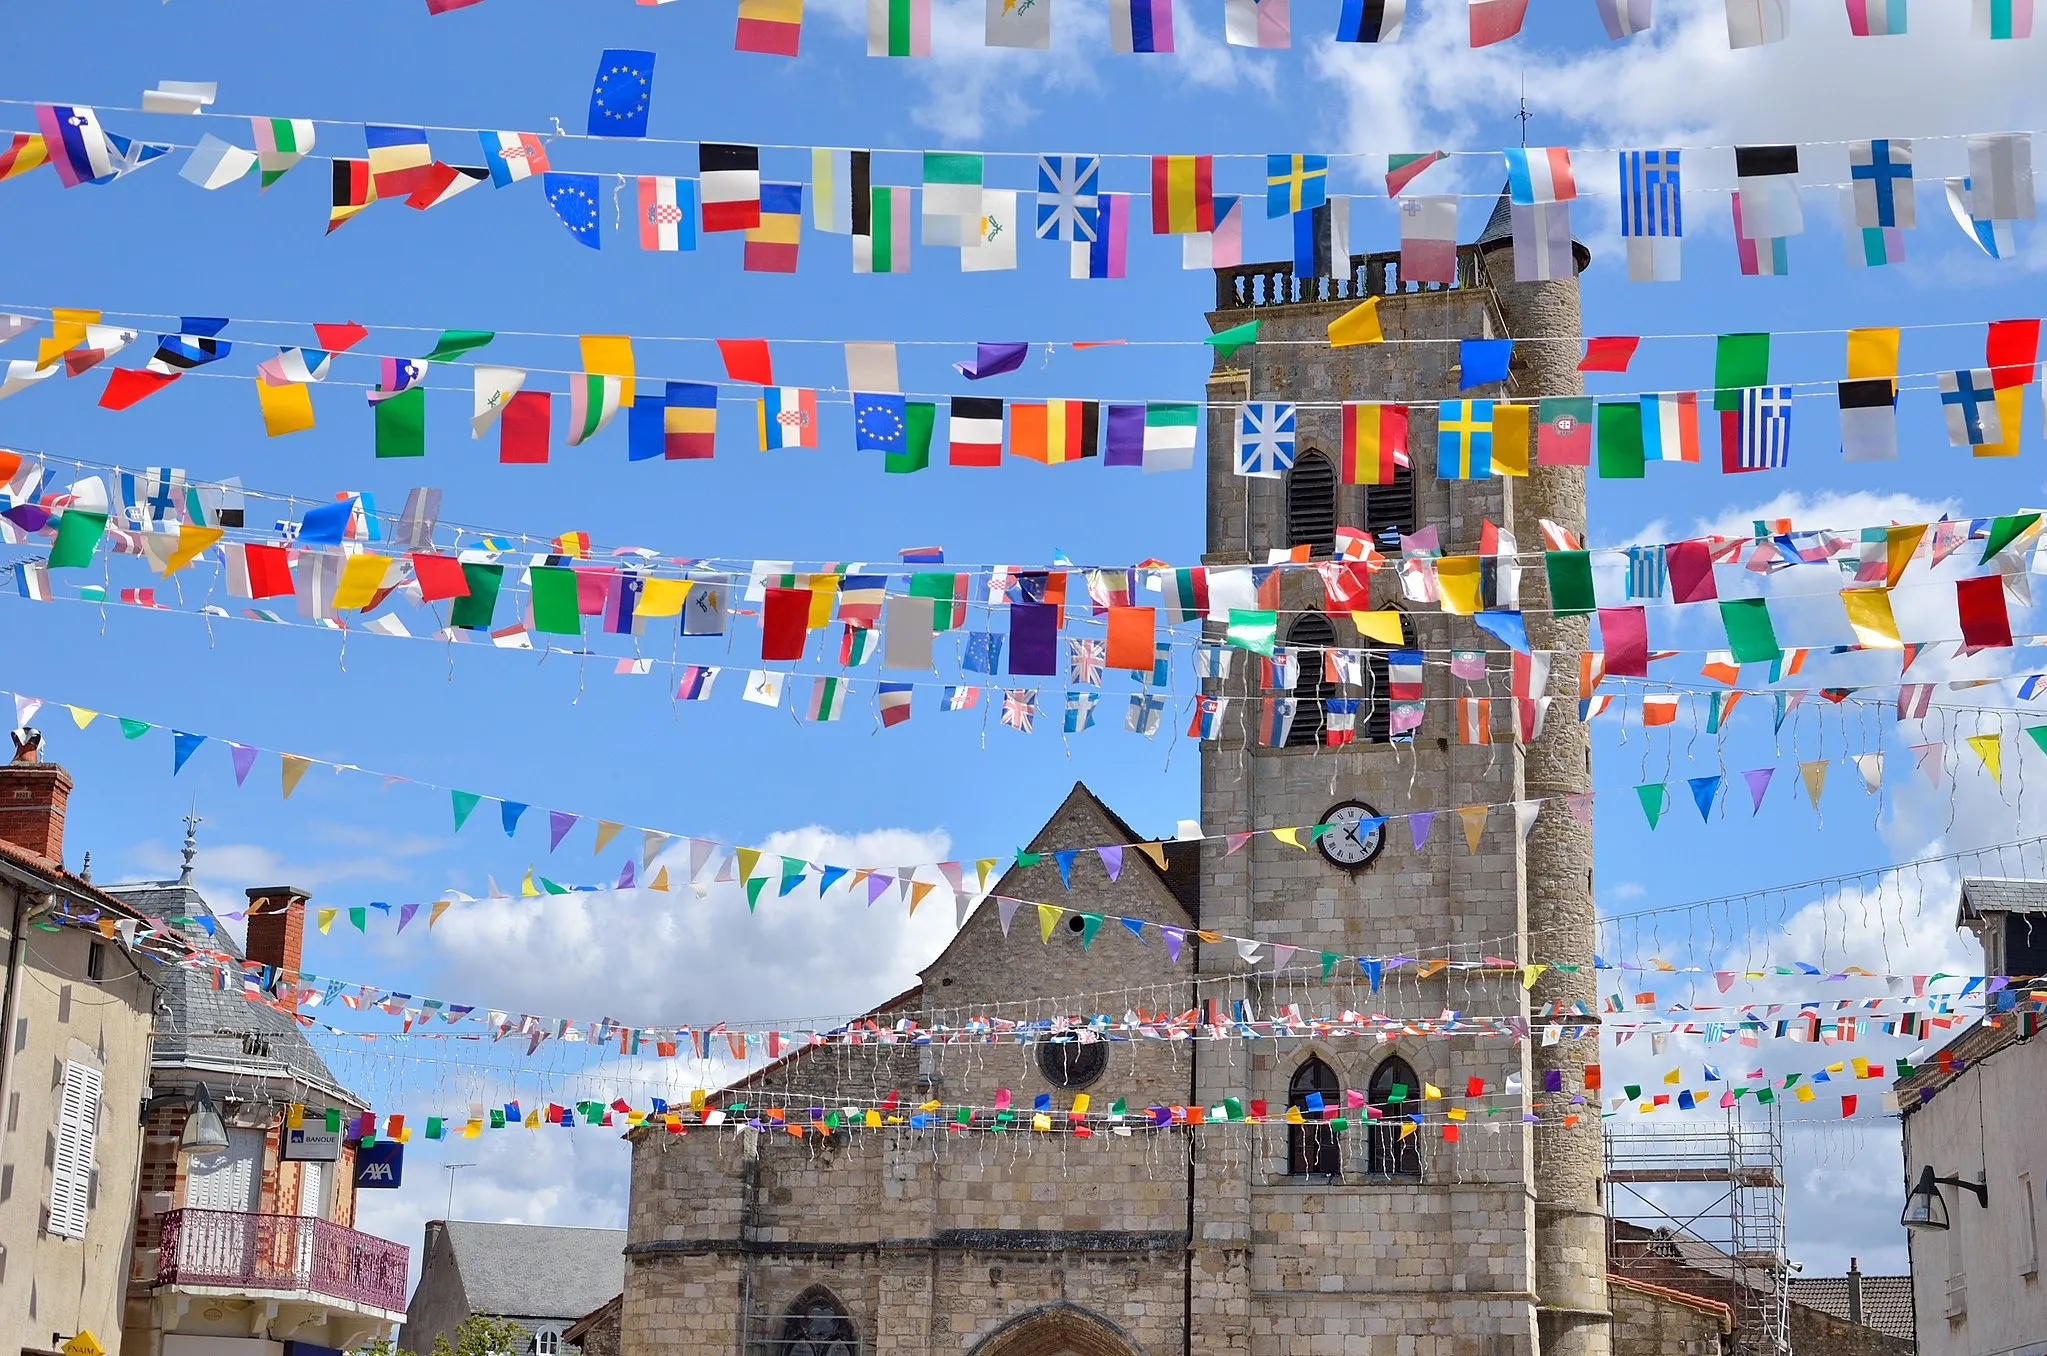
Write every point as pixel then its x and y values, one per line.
pixel 919 889
pixel 1048 918
pixel 80 716
pixel 1291 837
pixel 1358 325
pixel 440 907
pixel 605 830
pixel 748 859
pixel 1869 614
pixel 1814 775
pixel 1474 817
pixel 526 889
pixel 1458 577
pixel 325 919
pixel 294 768
pixel 191 541
pixel 1384 627
pixel 1988 749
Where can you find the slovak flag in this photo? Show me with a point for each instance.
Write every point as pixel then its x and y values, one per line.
pixel 1208 718
pixel 513 156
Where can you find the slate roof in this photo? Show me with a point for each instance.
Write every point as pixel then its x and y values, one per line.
pixel 1886 1301
pixel 1991 894
pixel 202 1028
pixel 535 1270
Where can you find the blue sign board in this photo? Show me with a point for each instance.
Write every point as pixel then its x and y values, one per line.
pixel 380 1164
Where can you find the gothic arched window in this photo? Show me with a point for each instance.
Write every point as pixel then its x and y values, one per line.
pixel 1311 504
pixel 1389 509
pixel 1312 1149
pixel 818 1325
pixel 1396 1092
pixel 1310 634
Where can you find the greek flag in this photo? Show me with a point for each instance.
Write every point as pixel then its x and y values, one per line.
pixel 1645 571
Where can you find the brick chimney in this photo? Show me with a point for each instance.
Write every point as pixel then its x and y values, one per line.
pixel 1854 1290
pixel 277 925
pixel 32 798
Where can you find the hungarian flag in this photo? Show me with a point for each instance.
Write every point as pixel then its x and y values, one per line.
pixel 1374 443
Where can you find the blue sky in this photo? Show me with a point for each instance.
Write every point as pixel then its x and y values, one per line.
pixel 555 733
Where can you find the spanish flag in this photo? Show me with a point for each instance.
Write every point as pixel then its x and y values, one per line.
pixel 1182 194
pixel 1374 443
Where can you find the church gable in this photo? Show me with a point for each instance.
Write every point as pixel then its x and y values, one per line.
pixel 981 965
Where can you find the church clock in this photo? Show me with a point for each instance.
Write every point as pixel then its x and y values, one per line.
pixel 1355 836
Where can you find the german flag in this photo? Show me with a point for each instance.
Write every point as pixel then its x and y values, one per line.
pixel 1055 431
pixel 354 190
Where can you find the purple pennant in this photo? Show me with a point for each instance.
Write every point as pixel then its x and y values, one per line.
pixel 1125 443
pixel 1033 639
pixel 625 875
pixel 1758 779
pixel 244 756
pixel 28 517
pixel 992 360
pixel 405 912
pixel 1173 936
pixel 1112 860
pixel 559 822
pixel 877 886
pixel 1418 826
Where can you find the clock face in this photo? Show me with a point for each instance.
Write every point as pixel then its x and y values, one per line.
pixel 1355 835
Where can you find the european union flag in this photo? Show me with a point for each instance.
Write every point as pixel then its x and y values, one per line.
pixel 620 95
pixel 574 199
pixel 879 423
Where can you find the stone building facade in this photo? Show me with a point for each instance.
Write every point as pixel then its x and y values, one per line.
pixel 1247 1239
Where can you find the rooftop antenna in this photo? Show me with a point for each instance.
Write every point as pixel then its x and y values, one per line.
pixel 451 1169
pixel 192 823
pixel 1523 115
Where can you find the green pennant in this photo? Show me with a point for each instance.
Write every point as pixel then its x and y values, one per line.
pixel 1090 924
pixel 1633 1092
pixel 133 729
pixel 1905 1069
pixel 78 532
pixel 1233 1109
pixel 1751 638
pixel 2003 532
pixel 832 1121
pixel 1570 582
pixel 465 802
pixel 1253 629
pixel 1315 831
pixel 497 1119
pixel 1116 1107
pixel 753 892
pixel 1029 858
pixel 1227 342
pixel 2038 734
pixel 401 423
pixel 455 343
pixel 549 887
pixel 555 612
pixel 1653 798
pixel 359 917
pixel 1329 960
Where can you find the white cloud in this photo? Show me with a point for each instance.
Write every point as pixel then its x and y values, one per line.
pixel 1829 509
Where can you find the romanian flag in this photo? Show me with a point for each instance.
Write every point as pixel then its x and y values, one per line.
pixel 1182 194
pixel 770 27
pixel 786 417
pixel 689 420
pixel 354 189
pixel 771 246
pixel 1374 443
pixel 25 151
pixel 399 158
pixel 1055 431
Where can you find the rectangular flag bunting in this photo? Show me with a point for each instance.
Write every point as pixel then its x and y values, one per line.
pixel 75 144
pixel 881 233
pixel 1055 431
pixel 771 246
pixel 1069 188
pixel 1880 176
pixel 1104 256
pixel 1868 246
pixel 1141 25
pixel 1023 24
pixel 952 198
pixel 1182 194
pixel 1876 18
pixel 280 144
pixel 838 179
pixel 770 27
pixel 974 431
pixel 827 696
pixel 23 152
pixel 1670 426
pixel 1322 240
pixel 1169 430
pixel 666 208
pixel 1256 23
pixel 1428 239
pixel 1542 241
pixel 1765 257
pixel 892 700
pixel 899 28
pixel 1753 23
pixel 399 156
pixel 1276 721
pixel 1869 420
pixel 1295 183
pixel 786 416
pixel 1539 174
pixel 593 401
pixel 1370 20
pixel 730 183
pixel 1765 441
pixel 1652 218
pixel 1625 18
pixel 2000 19
pixel 1374 443
pixel 682 426
pixel 510 156
pixel 1265 439
pixel 992 246
pixel 1464 439
pixel 1224 246
pixel 354 189
pixel 2001 177
pixel 1767 178
pixel 1968 401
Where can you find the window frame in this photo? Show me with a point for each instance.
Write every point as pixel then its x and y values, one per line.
pixel 1389 1155
pixel 1312 688
pixel 73 1164
pixel 1312 1147
pixel 1321 541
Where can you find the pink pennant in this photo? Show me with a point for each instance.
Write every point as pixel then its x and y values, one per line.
pixel 1580 806
pixel 1929 761
pixel 951 872
pixel 1005 909
pixel 1235 841
pixel 1280 956
pixel 700 851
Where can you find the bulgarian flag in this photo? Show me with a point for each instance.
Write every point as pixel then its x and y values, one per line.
pixel 1186 596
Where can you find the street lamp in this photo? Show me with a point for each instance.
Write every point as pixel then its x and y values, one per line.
pixel 1926 1208
pixel 204 1133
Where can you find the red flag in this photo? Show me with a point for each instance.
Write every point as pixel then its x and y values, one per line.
pixel 439 577
pixel 340 338
pixel 523 428
pixel 127 385
pixel 784 622
pixel 1610 354
pixel 1496 20
pixel 1985 623
pixel 747 360
pixel 2010 351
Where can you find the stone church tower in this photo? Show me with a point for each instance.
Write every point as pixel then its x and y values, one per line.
pixel 1236 1240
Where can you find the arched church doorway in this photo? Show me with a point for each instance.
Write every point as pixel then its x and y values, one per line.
pixel 1056 1330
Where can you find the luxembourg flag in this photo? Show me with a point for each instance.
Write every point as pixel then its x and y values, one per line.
pixel 894 702
pixel 1670 426
pixel 513 156
pixel 1539 174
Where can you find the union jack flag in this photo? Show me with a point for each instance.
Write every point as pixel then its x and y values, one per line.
pixel 1069 206
pixel 1084 660
pixel 1019 708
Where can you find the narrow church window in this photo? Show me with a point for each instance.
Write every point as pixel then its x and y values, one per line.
pixel 1395 1091
pixel 1312 1149
pixel 1375 704
pixel 1309 635
pixel 1311 504
pixel 817 1325
pixel 1071 1064
pixel 1389 509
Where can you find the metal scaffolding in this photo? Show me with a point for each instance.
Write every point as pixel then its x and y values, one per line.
pixel 1699 1207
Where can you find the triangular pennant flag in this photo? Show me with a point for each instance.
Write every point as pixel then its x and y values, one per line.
pixel 559 822
pixel 1112 860
pixel 1929 757
pixel 1418 827
pixel 1758 779
pixel 1474 817
pixel 1651 794
pixel 508 814
pixel 1048 918
pixel 1814 775
pixel 1704 791
pixel 1005 910
pixel 183 746
pixel 244 758
pixel 605 830
pixel 1871 766
pixel 294 767
pixel 1988 748
pixel 464 802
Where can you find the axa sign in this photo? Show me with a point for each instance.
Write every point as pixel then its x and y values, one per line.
pixel 379 1165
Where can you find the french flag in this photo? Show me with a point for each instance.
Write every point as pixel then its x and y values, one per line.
pixel 1540 174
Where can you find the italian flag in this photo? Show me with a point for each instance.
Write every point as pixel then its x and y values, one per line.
pixel 884 246
pixel 593 400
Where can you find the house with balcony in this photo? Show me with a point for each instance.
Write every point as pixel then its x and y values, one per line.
pixel 75 1012
pixel 244 1241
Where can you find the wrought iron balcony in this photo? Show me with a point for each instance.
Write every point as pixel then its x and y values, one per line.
pixel 1249 286
pixel 281 1255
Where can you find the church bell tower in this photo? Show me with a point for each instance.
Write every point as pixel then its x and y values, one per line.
pixel 1492 1245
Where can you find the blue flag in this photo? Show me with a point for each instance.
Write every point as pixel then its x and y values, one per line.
pixel 621 93
pixel 327 524
pixel 574 199
pixel 879 423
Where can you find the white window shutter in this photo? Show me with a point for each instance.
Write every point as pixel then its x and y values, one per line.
pixel 78 1113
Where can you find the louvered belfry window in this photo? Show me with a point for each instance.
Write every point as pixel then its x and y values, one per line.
pixel 1389 509
pixel 1307 638
pixel 1311 504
